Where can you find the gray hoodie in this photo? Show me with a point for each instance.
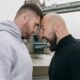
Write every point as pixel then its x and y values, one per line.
pixel 15 61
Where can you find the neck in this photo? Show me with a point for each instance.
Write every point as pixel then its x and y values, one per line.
pixel 18 23
pixel 61 36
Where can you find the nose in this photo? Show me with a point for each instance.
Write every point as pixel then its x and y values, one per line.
pixel 33 30
pixel 36 30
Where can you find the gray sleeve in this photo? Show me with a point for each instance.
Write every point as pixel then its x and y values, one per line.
pixel 5 61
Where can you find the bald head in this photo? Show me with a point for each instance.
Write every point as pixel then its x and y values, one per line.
pixel 53 23
pixel 54 19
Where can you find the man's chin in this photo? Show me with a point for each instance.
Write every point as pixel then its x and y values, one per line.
pixel 51 48
pixel 50 44
pixel 53 45
pixel 26 37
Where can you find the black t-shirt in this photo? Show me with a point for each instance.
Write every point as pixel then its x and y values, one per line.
pixel 65 64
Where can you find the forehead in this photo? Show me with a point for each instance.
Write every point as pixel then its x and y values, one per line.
pixel 36 20
pixel 34 16
pixel 44 22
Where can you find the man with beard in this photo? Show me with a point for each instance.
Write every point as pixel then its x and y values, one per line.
pixel 15 61
pixel 65 64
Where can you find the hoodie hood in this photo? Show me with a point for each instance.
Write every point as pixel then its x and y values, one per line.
pixel 10 27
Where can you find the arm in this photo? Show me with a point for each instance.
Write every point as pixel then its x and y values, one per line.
pixel 74 63
pixel 5 61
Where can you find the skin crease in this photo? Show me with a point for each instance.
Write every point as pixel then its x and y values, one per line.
pixel 53 29
pixel 27 23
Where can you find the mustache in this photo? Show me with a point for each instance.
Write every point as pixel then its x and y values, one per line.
pixel 45 39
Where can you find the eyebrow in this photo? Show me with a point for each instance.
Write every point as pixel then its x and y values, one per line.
pixel 37 24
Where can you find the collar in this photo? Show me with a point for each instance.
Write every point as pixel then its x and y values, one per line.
pixel 67 40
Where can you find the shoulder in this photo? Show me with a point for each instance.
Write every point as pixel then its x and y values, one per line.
pixel 6 38
pixel 76 46
pixel 7 43
pixel 74 52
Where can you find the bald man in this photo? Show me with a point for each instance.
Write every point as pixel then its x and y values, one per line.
pixel 65 64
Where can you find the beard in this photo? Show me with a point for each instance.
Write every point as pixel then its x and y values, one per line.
pixel 53 43
pixel 26 31
pixel 26 36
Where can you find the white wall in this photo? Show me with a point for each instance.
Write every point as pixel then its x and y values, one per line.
pixel 8 8
pixel 73 23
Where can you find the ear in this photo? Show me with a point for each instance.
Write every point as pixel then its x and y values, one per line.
pixel 57 29
pixel 25 18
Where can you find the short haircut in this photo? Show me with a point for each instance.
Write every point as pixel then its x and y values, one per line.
pixel 31 7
